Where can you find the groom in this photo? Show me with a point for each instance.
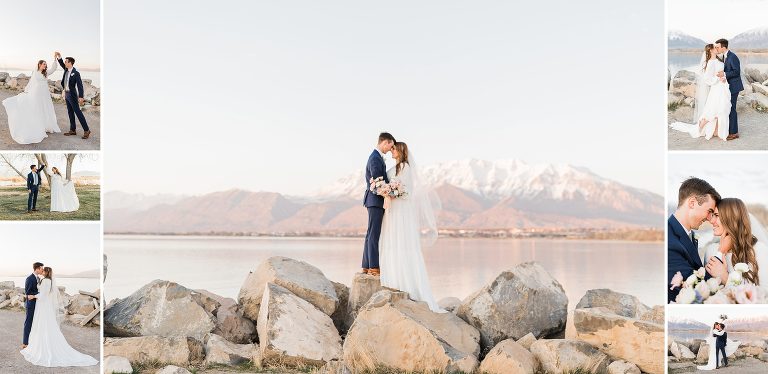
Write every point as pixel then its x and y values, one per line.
pixel 33 185
pixel 375 168
pixel 30 291
pixel 722 340
pixel 73 95
pixel 697 200
pixel 731 72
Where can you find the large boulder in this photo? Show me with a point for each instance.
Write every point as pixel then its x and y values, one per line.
pixel 3 76
pixel 759 88
pixel 630 339
pixel 161 308
pixel 702 357
pixel 116 365
pixel 294 332
pixel 618 303
pixel 655 315
pixel 508 357
pixel 301 278
pixel 148 349
pixel 81 304
pixel 220 351
pixel 684 83
pixel 525 299
pixel 563 355
pixel 395 332
pixel 230 322
pixel 527 341
pixel 18 83
pixel 363 287
pixel 752 351
pixel 756 73
pixel 623 367
pixel 681 352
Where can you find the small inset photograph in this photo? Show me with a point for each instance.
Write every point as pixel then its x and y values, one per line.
pixel 717 77
pixel 724 338
pixel 717 244
pixel 50 186
pixel 50 300
pixel 50 76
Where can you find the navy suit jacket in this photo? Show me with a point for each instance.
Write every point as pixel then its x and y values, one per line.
pixel 30 286
pixel 75 83
pixel 722 340
pixel 732 72
pixel 682 255
pixel 31 179
pixel 376 167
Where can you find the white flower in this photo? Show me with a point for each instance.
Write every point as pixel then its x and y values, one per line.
pixel 741 267
pixel 703 289
pixel 714 284
pixel 701 273
pixel 692 279
pixel 686 296
pixel 735 278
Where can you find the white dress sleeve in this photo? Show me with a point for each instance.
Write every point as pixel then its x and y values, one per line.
pixel 43 289
pixel 52 67
pixel 710 76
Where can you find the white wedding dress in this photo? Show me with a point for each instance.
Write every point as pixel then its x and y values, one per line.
pixel 47 345
pixel 713 103
pixel 400 258
pixel 30 113
pixel 730 348
pixel 63 195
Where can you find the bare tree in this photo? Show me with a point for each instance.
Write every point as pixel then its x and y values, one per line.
pixel 70 161
pixel 7 160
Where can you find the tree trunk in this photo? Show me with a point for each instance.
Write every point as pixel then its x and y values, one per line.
pixel 70 161
pixel 43 160
pixel 24 177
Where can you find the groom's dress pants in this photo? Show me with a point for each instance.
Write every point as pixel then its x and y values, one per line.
pixel 30 304
pixel 73 109
pixel 718 351
pixel 32 200
pixel 733 122
pixel 371 250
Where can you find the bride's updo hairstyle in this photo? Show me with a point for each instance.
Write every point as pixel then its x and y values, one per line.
pixel 44 71
pixel 402 150
pixel 734 218
pixel 56 170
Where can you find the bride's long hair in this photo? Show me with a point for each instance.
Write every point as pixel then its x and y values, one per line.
pixel 402 150
pixel 734 217
pixel 44 71
pixel 56 171
pixel 47 273
pixel 708 50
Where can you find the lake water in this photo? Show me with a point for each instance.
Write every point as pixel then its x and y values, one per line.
pixel 457 267
pixel 94 76
pixel 73 285
pixel 687 335
pixel 690 61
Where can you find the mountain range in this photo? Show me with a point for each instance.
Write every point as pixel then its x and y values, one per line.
pixel 474 194
pixel 754 324
pixel 679 40
pixel 750 39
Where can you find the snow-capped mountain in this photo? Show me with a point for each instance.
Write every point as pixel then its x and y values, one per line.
pixel 475 194
pixel 678 39
pixel 686 324
pixel 755 38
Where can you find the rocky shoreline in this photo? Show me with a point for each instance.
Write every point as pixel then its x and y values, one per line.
pixel 91 94
pixel 685 356
pixel 289 315
pixel 81 309
pixel 682 89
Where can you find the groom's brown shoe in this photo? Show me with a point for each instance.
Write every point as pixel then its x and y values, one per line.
pixel 68 133
pixel 374 272
pixel 732 136
pixel 365 271
pixel 86 134
pixel 23 346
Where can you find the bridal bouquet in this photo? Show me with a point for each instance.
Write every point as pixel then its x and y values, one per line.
pixel 393 189
pixel 694 290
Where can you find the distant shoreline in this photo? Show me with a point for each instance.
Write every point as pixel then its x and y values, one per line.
pixel 758 51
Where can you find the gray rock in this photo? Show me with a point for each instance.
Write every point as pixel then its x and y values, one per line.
pixel 618 303
pixel 759 88
pixel 526 294
pixel 161 308
pixel 564 356
pixel 508 357
pixel 7 285
pixel 301 278
pixel 363 287
pixel 527 341
pixel 3 76
pixel 623 367
pixel 81 304
pixel 172 369
pixel 684 83
pixel 222 352
pixel 230 322
pixel 450 304
pixel 148 349
pixel 117 365
pixel 702 356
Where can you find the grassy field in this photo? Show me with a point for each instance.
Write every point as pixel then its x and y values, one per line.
pixel 13 205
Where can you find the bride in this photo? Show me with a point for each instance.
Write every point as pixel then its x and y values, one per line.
pixel 730 347
pixel 63 195
pixel 401 260
pixel 47 345
pixel 742 239
pixel 30 113
pixel 712 101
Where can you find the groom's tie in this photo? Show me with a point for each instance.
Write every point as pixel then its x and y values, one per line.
pixel 693 240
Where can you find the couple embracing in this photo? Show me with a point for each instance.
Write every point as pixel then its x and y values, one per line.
pixel 63 194
pixel 43 343
pixel 402 212
pixel 742 239
pixel 720 347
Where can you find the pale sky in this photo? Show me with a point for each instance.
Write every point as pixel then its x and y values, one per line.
pixel 33 30
pixel 714 19
pixel 288 95
pixel 90 162
pixel 68 247
pixel 741 175
pixel 710 314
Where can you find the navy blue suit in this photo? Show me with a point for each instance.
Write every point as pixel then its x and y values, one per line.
pixel 682 255
pixel 732 73
pixel 376 167
pixel 30 288
pixel 75 92
pixel 720 347
pixel 33 188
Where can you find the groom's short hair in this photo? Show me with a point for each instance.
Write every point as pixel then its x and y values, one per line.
pixel 37 265
pixel 722 326
pixel 71 60
pixel 32 166
pixel 386 136
pixel 722 42
pixel 698 188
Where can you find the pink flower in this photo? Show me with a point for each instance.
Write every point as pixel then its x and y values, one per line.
pixel 718 298
pixel 677 281
pixel 745 294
